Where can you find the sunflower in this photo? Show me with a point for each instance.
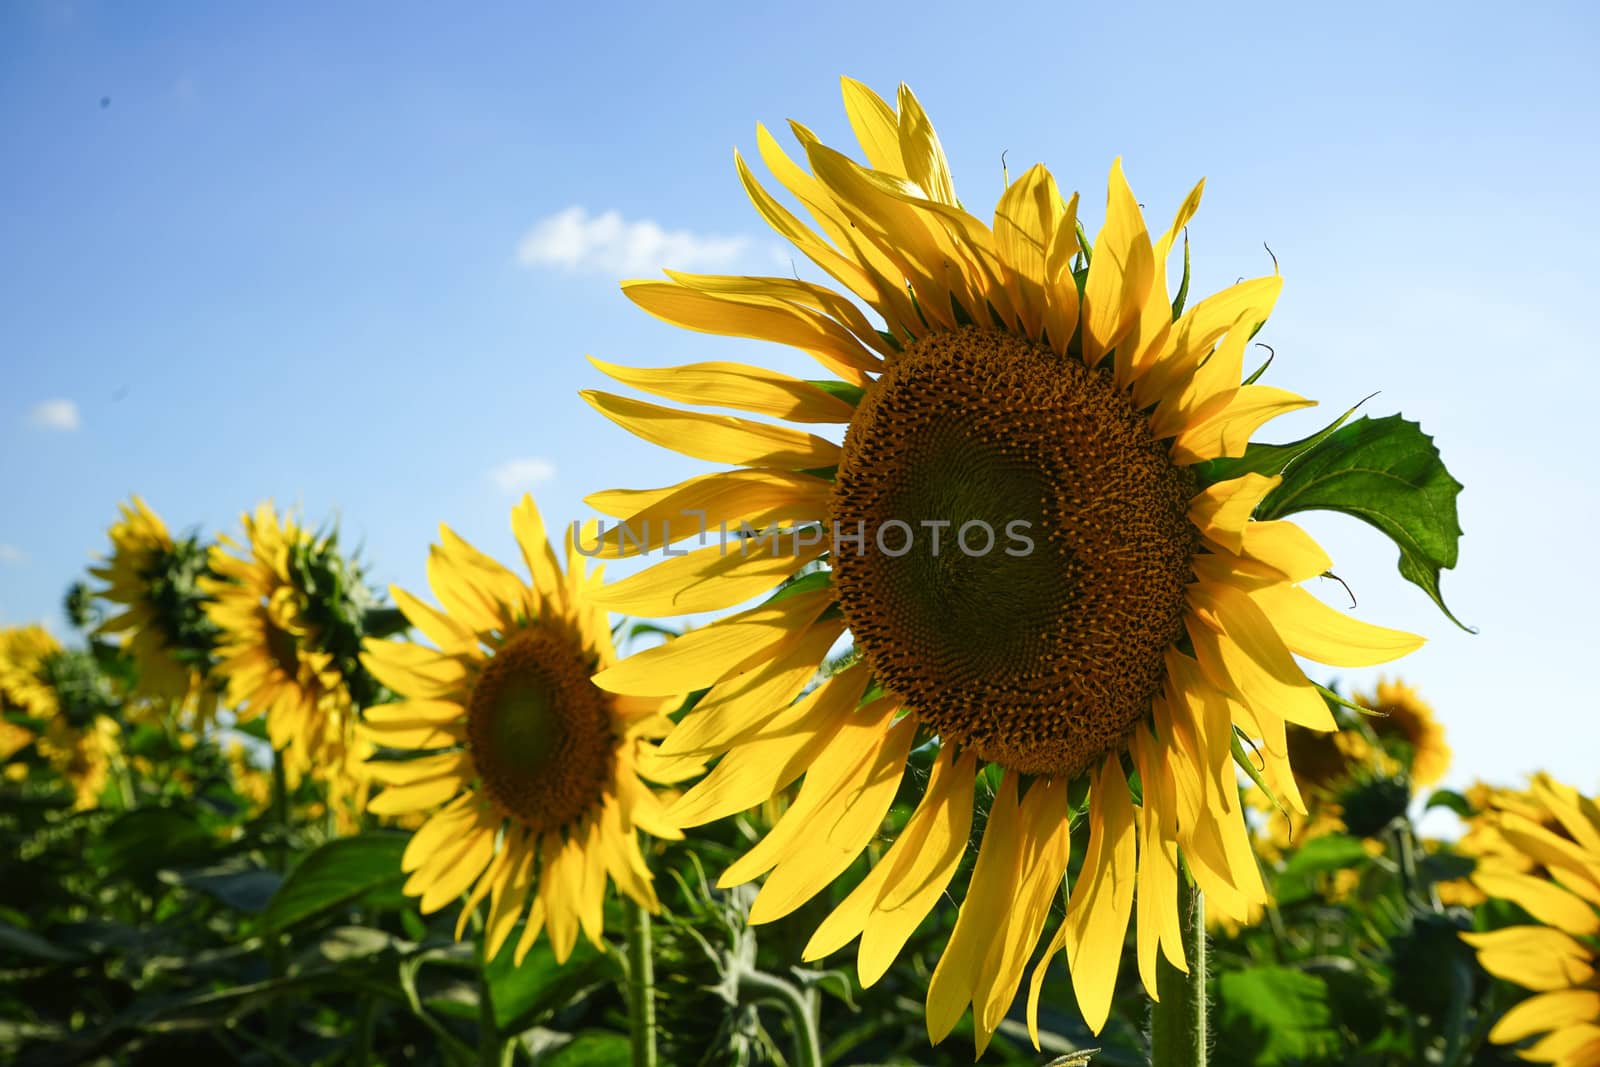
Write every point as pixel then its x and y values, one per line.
pixel 537 771
pixel 83 756
pixel 24 684
pixel 1020 541
pixel 163 626
pixel 272 656
pixel 1407 718
pixel 1556 959
pixel 1485 843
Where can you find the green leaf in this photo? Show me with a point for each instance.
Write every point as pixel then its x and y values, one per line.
pixel 28 943
pixel 1449 798
pixel 246 889
pixel 1387 473
pixel 1329 852
pixel 1274 1015
pixel 595 1048
pixel 524 995
pixel 139 843
pixel 339 873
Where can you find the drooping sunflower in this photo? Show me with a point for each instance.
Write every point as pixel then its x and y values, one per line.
pixel 163 624
pixel 1020 539
pixel 275 659
pixel 1559 960
pixel 69 731
pixel 1406 717
pixel 539 773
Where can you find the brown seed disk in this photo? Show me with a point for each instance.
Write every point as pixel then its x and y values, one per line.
pixel 1041 657
pixel 540 732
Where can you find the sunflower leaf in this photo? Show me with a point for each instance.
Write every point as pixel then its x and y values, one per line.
pixel 1387 473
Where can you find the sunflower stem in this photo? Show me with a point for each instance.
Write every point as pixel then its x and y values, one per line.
pixel 641 987
pixel 490 1047
pixel 1178 1036
pixel 802 1019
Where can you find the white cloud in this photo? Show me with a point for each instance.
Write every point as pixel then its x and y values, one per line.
pixel 575 240
pixel 55 415
pixel 520 475
pixel 12 554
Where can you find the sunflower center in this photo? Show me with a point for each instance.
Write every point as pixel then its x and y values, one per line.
pixel 1023 551
pixel 540 733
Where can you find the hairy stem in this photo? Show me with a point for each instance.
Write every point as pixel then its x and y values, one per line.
pixel 1178 1036
pixel 641 987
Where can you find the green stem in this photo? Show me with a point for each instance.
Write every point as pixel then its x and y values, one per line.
pixel 280 805
pixel 489 1043
pixel 1178 1035
pixel 802 1020
pixel 641 987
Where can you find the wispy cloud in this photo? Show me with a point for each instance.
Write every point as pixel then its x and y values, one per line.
pixel 55 415
pixel 520 475
pixel 12 554
pixel 575 240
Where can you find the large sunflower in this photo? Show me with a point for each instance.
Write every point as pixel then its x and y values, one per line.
pixel 1096 607
pixel 1556 830
pixel 163 626
pixel 271 654
pixel 539 772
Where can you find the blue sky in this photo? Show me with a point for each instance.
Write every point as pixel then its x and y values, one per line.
pixel 351 256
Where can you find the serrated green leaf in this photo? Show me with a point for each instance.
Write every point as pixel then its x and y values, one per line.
pixel 338 873
pixel 1387 473
pixel 1274 1015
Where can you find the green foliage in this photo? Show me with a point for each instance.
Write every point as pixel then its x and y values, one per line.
pixel 1275 1015
pixel 342 873
pixel 1387 473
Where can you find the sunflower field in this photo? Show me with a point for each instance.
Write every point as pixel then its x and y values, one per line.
pixel 978 700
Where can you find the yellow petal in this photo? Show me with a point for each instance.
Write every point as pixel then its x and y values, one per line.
pixel 1222 511
pixel 1192 339
pixel 839 827
pixel 538 555
pixel 846 763
pixel 807 294
pixel 509 894
pixel 1120 271
pixel 451 637
pixel 743 708
pixel 1102 901
pixel 1226 431
pixel 734 385
pixel 897 894
pixel 988 896
pixel 710 505
pixel 1534 957
pixel 875 126
pixel 715 577
pixel 761 319
pixel 1551 1011
pixel 700 658
pixel 1046 838
pixel 1025 223
pixel 769 761
pixel 453 881
pixel 1241 652
pixel 921 152
pixel 1313 629
pixel 419 796
pixel 412 670
pixel 454 765
pixel 718 438
pixel 1545 901
pixel 448 824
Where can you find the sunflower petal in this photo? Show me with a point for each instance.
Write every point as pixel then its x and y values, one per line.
pixel 717 438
